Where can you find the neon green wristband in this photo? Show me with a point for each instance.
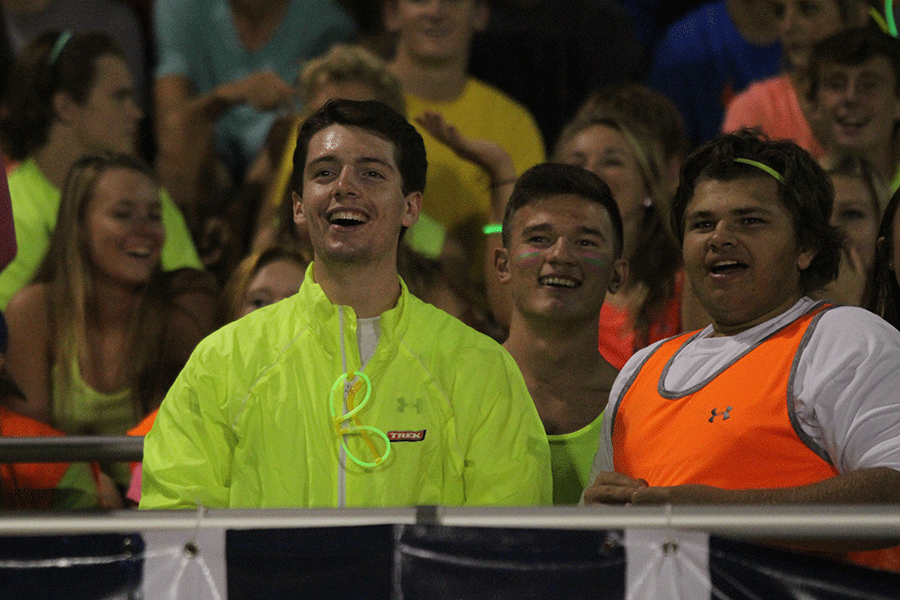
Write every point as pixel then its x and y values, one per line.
pixel 492 228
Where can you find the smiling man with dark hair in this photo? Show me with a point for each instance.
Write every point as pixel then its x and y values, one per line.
pixel 352 392
pixel 562 253
pixel 782 400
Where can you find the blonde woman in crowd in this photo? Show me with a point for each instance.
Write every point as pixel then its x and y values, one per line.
pixel 260 279
pixel 98 337
pixel 615 137
pixel 860 195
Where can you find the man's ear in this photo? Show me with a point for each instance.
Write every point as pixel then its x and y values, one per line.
pixel 501 264
pixel 805 258
pixel 64 106
pixel 299 216
pixel 412 208
pixel 619 275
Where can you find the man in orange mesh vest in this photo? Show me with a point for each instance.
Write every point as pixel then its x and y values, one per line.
pixel 782 399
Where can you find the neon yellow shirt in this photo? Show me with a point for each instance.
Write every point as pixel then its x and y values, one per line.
pixel 571 457
pixel 248 423
pixel 86 411
pixel 35 203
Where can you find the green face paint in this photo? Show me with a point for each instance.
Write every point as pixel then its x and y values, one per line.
pixel 598 262
pixel 528 257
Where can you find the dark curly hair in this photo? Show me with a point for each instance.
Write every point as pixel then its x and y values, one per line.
pixel 806 191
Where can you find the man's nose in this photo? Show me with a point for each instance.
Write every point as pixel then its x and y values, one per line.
pixel 721 236
pixel 562 251
pixel 344 183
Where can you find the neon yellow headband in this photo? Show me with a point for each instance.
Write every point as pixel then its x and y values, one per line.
pixel 61 42
pixel 762 167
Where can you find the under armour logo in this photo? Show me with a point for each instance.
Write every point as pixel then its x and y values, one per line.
pixel 724 415
pixel 402 404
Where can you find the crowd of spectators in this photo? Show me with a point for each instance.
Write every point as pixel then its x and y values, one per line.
pixel 167 164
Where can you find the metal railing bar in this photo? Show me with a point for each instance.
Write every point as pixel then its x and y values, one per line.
pixel 88 448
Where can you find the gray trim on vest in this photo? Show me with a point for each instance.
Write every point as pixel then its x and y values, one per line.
pixel 627 386
pixel 795 423
pixel 669 395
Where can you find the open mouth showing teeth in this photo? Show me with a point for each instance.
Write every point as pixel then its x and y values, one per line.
pixel 347 219
pixel 562 282
pixel 724 268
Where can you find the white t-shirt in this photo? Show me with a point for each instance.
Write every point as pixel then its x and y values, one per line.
pixel 846 383
pixel 367 334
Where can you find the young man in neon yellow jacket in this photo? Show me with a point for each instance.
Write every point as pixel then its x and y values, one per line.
pixel 352 392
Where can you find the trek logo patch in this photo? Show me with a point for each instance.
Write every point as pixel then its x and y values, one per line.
pixel 406 436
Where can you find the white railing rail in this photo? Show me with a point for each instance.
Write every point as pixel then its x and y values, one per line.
pixel 746 521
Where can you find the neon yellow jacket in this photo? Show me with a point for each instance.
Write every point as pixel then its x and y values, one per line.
pixel 247 424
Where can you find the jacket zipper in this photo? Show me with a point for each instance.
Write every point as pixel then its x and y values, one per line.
pixel 342 458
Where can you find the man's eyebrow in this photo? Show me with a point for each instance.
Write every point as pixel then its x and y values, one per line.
pixel 539 227
pixel 374 159
pixel 739 212
pixel 328 158
pixel 752 210
pixel 591 231
pixel 322 159
pixel 699 214
pixel 542 227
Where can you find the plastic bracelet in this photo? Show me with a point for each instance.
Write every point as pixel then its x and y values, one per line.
pixel 492 228
pixel 889 17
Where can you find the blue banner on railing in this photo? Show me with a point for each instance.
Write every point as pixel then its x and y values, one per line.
pixel 423 562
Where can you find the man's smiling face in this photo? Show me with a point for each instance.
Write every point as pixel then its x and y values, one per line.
pixel 353 201
pixel 561 258
pixel 859 104
pixel 741 252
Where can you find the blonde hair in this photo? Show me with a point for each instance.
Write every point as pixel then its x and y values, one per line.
pixel 856 167
pixel 347 63
pixel 656 137
pixel 66 269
